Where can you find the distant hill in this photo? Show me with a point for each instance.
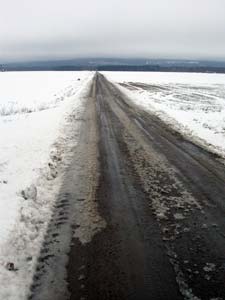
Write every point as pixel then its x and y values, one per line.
pixel 112 64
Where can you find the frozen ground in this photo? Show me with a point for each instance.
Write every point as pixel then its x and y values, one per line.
pixel 34 116
pixel 192 103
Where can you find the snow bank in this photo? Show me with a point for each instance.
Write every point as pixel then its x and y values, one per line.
pixel 193 103
pixel 28 153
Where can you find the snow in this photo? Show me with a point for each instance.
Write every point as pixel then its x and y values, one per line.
pixel 34 108
pixel 33 91
pixel 166 77
pixel 192 103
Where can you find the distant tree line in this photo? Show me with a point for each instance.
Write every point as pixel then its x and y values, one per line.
pixel 114 67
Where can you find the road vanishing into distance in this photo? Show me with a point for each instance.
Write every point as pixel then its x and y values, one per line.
pixel 146 210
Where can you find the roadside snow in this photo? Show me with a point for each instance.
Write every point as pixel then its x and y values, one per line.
pixel 192 103
pixel 34 109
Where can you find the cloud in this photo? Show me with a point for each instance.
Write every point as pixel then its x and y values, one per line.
pixel 49 29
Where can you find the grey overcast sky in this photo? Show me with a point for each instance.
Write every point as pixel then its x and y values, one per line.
pixel 58 29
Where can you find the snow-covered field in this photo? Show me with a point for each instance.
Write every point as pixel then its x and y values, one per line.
pixel 34 111
pixel 192 103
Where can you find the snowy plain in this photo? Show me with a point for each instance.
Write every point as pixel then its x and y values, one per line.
pixel 34 110
pixel 192 103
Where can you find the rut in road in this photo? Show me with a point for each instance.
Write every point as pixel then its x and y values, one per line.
pixel 163 201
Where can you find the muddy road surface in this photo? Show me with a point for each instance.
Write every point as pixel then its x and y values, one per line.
pixel 151 211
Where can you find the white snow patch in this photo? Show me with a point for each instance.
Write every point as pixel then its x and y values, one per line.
pixel 28 143
pixel 209 267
